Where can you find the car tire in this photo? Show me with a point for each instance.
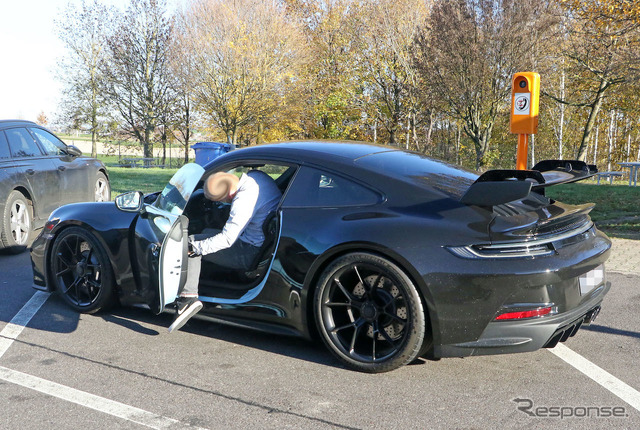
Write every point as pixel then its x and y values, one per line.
pixel 102 188
pixel 17 223
pixel 81 271
pixel 369 313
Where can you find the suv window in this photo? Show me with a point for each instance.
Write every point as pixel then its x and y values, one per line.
pixel 22 143
pixel 4 147
pixel 51 144
pixel 313 187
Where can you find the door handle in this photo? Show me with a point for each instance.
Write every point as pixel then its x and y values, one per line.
pixel 30 171
pixel 62 168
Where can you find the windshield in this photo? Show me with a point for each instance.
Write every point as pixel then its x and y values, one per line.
pixel 175 195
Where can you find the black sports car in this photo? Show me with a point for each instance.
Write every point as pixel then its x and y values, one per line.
pixel 387 254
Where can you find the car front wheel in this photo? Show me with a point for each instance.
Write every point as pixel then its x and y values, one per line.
pixel 17 222
pixel 102 189
pixel 369 313
pixel 81 271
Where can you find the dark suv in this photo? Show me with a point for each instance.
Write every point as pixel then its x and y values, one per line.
pixel 39 173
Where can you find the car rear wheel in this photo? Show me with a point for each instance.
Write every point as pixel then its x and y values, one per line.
pixel 81 271
pixel 369 313
pixel 17 222
pixel 102 188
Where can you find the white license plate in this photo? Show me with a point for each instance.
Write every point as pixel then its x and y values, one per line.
pixel 591 279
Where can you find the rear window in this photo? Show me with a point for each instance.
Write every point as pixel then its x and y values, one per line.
pixel 421 170
pixel 317 188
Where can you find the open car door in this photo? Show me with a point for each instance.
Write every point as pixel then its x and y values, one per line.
pixel 173 262
pixel 166 231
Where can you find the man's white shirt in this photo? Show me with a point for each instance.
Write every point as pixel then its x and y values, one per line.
pixel 256 197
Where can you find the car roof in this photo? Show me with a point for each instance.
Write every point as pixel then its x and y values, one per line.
pixel 370 160
pixel 15 122
pixel 315 151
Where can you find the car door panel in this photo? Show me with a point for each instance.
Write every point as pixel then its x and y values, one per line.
pixel 173 262
pixel 72 172
pixel 37 170
pixel 161 241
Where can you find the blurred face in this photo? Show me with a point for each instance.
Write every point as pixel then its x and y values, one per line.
pixel 221 187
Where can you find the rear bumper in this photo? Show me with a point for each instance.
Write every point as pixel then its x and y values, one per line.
pixel 505 337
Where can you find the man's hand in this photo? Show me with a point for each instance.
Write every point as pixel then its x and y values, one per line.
pixel 190 251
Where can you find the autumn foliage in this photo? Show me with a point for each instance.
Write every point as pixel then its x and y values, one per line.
pixel 429 75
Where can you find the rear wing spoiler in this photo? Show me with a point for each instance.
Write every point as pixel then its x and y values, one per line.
pixel 496 187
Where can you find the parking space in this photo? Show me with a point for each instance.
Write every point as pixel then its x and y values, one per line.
pixel 123 370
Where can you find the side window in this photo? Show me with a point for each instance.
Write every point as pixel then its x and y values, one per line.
pixel 22 143
pixel 4 147
pixel 281 174
pixel 51 144
pixel 316 188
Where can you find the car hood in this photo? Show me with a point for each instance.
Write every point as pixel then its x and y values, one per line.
pixel 100 216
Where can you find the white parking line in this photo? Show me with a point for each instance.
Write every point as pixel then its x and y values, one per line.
pixel 599 375
pixel 10 333
pixel 89 400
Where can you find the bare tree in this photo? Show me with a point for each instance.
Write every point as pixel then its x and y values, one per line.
pixel 84 31
pixel 602 53
pixel 468 54
pixel 137 74
pixel 246 53
pixel 387 31
pixel 181 60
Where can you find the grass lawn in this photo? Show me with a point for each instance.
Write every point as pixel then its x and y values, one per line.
pixel 124 179
pixel 617 210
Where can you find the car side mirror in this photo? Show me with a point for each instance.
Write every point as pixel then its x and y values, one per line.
pixel 74 151
pixel 133 201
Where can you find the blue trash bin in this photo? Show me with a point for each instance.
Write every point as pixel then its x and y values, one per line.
pixel 208 151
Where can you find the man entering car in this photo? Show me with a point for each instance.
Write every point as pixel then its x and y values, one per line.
pixel 252 196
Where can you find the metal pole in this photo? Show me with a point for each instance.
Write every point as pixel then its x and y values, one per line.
pixel 523 151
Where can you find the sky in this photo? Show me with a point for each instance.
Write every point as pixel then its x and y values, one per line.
pixel 29 51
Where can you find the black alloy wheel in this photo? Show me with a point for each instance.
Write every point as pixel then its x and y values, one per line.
pixel 81 271
pixel 369 313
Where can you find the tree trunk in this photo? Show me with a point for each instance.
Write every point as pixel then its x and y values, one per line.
pixel 595 109
pixel 260 136
pixel 164 145
pixel 413 129
pixel 458 137
pixel 375 131
pixel 94 149
pixel 562 108
pixel 429 132
pixel 147 144
pixel 611 138
pixel 595 147
pixel 392 136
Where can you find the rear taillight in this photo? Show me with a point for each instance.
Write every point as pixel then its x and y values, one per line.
pixel 532 313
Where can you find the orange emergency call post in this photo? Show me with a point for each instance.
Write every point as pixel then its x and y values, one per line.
pixel 525 99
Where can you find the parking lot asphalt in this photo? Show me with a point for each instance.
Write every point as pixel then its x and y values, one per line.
pixel 122 370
